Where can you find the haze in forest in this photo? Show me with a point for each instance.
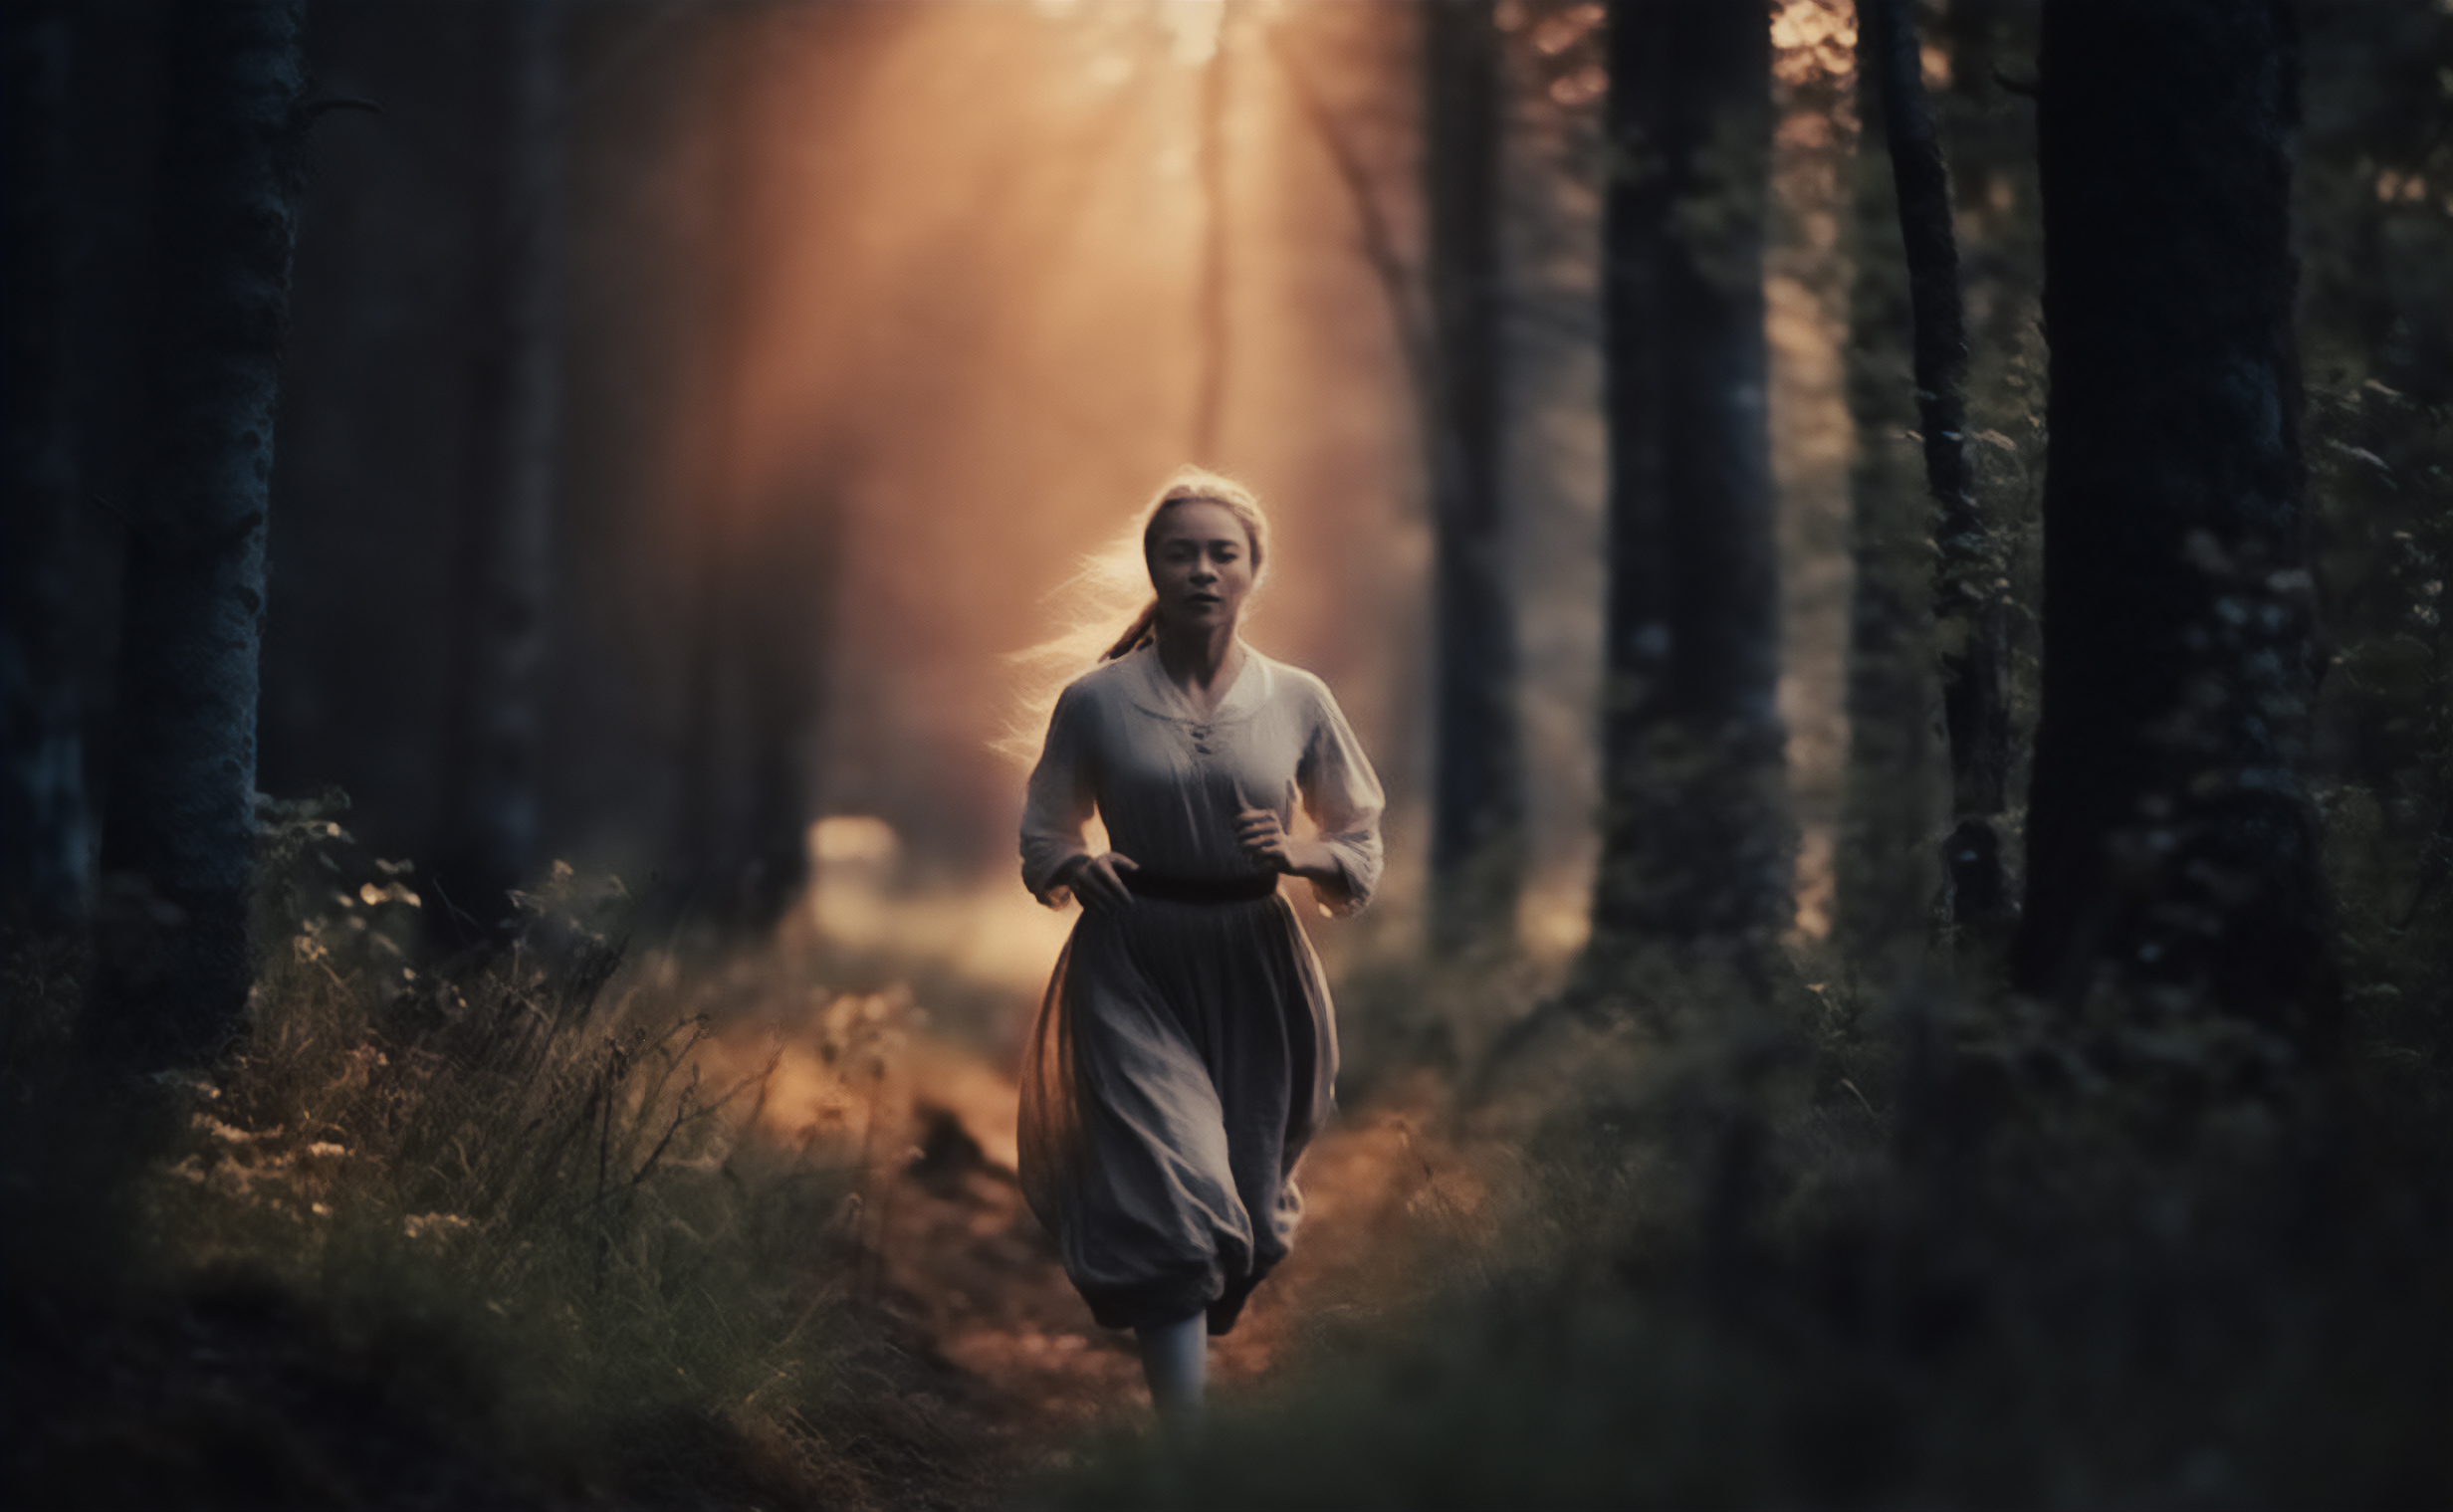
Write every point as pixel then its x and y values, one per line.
pixel 1889 555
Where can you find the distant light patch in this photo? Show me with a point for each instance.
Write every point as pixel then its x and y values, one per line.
pixel 852 839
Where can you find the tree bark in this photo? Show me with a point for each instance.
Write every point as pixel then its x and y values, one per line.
pixel 1886 879
pixel 1971 618
pixel 1477 797
pixel 486 839
pixel 46 866
pixel 1696 839
pixel 2171 850
pixel 180 806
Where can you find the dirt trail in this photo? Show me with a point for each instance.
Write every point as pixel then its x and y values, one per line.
pixel 958 1260
pixel 966 1263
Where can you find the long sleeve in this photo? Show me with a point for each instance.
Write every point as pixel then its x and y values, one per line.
pixel 1342 796
pixel 1059 799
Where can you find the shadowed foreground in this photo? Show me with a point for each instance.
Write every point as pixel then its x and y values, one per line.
pixel 575 1228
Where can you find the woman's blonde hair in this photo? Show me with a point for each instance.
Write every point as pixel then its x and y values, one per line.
pixel 1106 583
pixel 1193 485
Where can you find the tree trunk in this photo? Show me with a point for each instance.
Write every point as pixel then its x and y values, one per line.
pixel 486 839
pixel 710 860
pixel 45 842
pixel 1478 798
pixel 784 656
pixel 2171 850
pixel 180 811
pixel 1212 331
pixel 1886 879
pixel 1696 839
pixel 1971 616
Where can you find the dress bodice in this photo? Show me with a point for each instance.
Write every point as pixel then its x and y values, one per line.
pixel 1168 782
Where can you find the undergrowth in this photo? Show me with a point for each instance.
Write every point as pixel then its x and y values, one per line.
pixel 1809 1244
pixel 1754 1260
pixel 517 1192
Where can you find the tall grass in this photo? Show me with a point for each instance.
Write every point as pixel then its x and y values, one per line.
pixel 532 1163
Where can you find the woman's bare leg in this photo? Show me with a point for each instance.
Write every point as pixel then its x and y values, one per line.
pixel 1176 1358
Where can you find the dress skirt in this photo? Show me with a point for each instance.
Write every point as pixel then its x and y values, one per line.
pixel 1184 1056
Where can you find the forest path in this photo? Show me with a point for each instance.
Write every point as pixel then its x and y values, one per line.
pixel 962 1261
pixel 970 1280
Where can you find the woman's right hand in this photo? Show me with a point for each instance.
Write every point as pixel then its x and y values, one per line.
pixel 1098 881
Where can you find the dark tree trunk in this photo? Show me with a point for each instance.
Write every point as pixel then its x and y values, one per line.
pixel 1990 133
pixel 1968 28
pixel 1478 798
pixel 1971 619
pixel 697 850
pixel 2171 848
pixel 1696 839
pixel 708 857
pixel 783 657
pixel 756 691
pixel 1886 880
pixel 486 840
pixel 45 827
pixel 180 811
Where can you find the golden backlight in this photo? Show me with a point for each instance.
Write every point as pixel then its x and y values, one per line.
pixel 980 274
pixel 969 278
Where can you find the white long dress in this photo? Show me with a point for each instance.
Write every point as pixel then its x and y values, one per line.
pixel 1185 1051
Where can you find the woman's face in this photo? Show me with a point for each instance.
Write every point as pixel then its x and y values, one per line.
pixel 1201 565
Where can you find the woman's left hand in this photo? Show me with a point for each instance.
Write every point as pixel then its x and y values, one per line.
pixel 1265 841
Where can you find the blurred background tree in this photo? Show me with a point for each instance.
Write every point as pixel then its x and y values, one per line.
pixel 486 836
pixel 1695 843
pixel 1478 780
pixel 45 860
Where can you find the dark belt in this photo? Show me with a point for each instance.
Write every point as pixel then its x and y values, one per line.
pixel 1199 889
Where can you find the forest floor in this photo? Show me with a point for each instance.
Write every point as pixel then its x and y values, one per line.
pixel 971 1369
pixel 229 1391
pixel 968 1277
pixel 967 1269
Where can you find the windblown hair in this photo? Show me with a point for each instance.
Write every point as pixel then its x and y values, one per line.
pixel 1101 592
